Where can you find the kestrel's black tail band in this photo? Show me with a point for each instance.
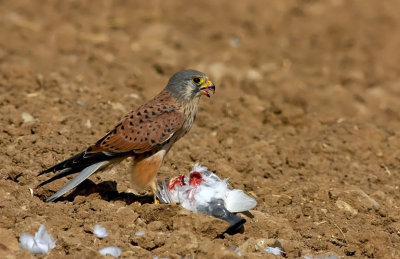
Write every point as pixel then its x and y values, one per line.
pixel 64 164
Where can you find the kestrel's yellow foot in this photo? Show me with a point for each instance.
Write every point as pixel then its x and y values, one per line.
pixel 156 201
pixel 153 186
pixel 146 134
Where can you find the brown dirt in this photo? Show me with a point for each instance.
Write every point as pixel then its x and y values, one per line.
pixel 306 117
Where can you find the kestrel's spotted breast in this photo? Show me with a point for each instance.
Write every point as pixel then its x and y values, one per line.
pixel 146 134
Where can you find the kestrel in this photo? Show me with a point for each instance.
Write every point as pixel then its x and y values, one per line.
pixel 145 134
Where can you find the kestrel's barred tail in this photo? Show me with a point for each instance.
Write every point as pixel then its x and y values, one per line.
pixel 146 134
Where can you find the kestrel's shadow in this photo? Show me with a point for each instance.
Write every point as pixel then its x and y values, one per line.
pixel 108 192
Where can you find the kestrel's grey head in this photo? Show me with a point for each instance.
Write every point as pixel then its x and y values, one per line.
pixel 189 84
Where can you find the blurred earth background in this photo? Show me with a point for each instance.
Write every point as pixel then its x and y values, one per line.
pixel 305 118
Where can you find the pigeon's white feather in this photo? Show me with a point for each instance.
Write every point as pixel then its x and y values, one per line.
pixel 194 198
pixel 199 168
pixel 237 201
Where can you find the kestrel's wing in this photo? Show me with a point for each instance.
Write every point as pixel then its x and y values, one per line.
pixel 140 131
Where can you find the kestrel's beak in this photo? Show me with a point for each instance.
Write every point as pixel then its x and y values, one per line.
pixel 207 88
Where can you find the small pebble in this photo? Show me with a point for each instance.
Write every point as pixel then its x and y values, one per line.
pixel 80 103
pixel 140 233
pixel 88 124
pixel 234 42
pixel 26 117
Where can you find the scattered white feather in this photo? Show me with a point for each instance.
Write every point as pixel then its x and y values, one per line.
pixel 238 252
pixel 41 243
pixel 273 250
pixel 100 231
pixel 111 250
pixel 31 191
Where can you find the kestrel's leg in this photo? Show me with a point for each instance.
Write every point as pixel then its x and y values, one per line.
pixel 153 186
pixel 144 171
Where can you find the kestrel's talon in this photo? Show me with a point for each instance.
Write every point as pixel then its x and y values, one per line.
pixel 153 186
pixel 146 134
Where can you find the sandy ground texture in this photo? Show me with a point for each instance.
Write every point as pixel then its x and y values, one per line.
pixel 305 118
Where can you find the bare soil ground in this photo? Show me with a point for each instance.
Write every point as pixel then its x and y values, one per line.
pixel 305 117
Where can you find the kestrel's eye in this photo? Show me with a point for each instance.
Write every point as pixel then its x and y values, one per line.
pixel 198 80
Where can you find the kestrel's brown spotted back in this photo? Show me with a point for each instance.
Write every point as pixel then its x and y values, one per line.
pixel 146 134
